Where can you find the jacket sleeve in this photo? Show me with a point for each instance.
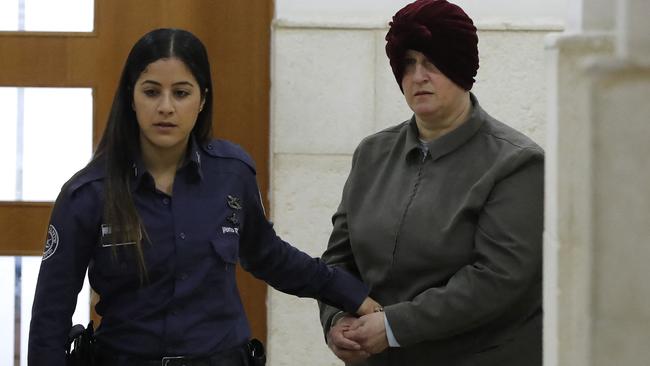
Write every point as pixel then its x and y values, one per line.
pixel 288 269
pixel 65 260
pixel 506 271
pixel 339 253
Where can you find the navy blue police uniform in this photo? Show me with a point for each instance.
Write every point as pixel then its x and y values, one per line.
pixel 188 305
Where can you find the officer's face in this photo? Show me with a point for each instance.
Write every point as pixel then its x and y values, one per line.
pixel 167 100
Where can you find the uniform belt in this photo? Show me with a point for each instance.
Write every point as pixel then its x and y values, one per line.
pixel 233 357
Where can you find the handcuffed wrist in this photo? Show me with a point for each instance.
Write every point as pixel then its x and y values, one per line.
pixel 336 317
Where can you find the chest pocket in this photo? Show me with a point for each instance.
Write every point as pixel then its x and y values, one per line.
pixel 226 251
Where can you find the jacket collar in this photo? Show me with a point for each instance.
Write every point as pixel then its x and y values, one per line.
pixel 448 142
pixel 191 166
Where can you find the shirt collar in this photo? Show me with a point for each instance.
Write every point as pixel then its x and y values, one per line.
pixel 193 159
pixel 412 143
pixel 139 172
pixel 191 164
pixel 450 141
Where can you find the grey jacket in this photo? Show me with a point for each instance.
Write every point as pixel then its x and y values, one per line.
pixel 449 242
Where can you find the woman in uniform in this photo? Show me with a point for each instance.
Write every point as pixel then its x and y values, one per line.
pixel 160 217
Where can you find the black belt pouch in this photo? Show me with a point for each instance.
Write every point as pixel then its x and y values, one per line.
pixel 256 353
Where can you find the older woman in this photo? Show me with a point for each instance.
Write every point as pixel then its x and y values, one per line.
pixel 441 216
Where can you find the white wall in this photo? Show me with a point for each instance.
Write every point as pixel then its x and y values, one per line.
pixel 380 11
pixel 332 86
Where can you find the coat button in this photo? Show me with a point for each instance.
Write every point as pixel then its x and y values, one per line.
pixel 182 236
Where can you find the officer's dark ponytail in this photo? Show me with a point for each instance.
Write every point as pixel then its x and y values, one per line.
pixel 120 143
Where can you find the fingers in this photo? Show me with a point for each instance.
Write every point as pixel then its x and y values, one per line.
pixel 336 337
pixel 340 341
pixel 357 330
pixel 345 349
pixel 369 332
pixel 352 339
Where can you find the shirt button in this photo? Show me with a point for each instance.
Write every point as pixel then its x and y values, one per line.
pixel 182 236
pixel 183 276
pixel 209 146
pixel 165 201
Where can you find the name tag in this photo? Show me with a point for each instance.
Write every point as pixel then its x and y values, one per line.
pixel 106 239
pixel 231 230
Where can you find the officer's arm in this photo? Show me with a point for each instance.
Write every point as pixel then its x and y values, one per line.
pixel 288 269
pixel 67 252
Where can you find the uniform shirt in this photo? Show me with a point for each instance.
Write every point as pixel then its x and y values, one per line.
pixel 189 305
pixel 448 238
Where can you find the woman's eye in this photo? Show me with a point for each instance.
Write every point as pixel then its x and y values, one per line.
pixel 181 93
pixel 430 66
pixel 409 64
pixel 150 92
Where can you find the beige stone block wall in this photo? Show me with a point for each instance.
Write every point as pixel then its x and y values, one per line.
pixel 621 214
pixel 306 191
pixel 568 241
pixel 323 87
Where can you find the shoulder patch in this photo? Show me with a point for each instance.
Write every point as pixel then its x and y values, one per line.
pixel 225 149
pixel 51 243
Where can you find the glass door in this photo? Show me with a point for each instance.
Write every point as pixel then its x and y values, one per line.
pixel 46 135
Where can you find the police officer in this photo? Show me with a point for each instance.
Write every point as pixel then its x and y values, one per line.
pixel 160 217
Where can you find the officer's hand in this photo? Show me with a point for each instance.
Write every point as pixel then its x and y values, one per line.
pixel 370 332
pixel 347 350
pixel 368 306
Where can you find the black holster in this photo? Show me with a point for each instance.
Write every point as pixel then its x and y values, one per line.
pixel 80 346
pixel 256 353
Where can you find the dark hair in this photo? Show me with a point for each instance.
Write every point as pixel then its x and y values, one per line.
pixel 120 143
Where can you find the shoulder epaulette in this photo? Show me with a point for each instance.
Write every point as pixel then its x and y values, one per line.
pixel 225 149
pixel 91 172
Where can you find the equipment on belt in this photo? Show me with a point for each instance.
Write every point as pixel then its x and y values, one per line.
pixel 83 341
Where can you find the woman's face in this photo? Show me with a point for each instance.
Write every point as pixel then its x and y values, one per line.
pixel 167 100
pixel 428 92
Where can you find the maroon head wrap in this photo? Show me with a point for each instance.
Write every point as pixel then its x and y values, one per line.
pixel 441 31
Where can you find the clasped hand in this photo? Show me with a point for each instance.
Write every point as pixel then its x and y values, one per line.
pixel 354 339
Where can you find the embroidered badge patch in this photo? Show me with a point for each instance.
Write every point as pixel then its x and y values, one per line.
pixel 233 219
pixel 234 202
pixel 51 243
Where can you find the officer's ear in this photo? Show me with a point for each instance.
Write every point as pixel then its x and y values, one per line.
pixel 205 95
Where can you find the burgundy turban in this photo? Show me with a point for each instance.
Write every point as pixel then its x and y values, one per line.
pixel 441 31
